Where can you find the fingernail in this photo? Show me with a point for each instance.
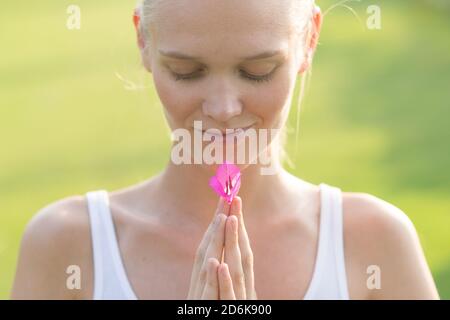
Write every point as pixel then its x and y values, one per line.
pixel 226 208
pixel 211 263
pixel 224 267
pixel 236 204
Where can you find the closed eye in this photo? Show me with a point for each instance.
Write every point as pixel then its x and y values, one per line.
pixel 266 77
pixel 245 75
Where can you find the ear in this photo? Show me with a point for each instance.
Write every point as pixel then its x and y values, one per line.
pixel 313 40
pixel 140 39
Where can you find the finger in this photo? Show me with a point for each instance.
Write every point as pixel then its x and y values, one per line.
pixel 226 211
pixel 246 250
pixel 207 237
pixel 226 208
pixel 201 250
pixel 225 283
pixel 211 290
pixel 232 257
pixel 199 258
pixel 214 250
pixel 222 207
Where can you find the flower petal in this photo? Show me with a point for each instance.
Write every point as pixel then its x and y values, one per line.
pixel 236 187
pixel 232 170
pixel 226 173
pixel 216 186
pixel 222 174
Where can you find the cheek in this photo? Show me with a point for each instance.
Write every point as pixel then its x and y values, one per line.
pixel 178 103
pixel 271 100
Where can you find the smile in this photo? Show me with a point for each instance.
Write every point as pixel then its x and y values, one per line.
pixel 236 133
pixel 218 134
pixel 228 132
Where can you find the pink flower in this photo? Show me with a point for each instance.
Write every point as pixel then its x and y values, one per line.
pixel 227 181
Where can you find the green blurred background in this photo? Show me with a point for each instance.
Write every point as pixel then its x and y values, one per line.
pixel 78 113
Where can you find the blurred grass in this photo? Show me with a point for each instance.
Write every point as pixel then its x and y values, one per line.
pixel 375 118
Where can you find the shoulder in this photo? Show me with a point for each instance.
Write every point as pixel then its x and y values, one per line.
pixel 55 239
pixel 381 241
pixel 61 219
pixel 374 216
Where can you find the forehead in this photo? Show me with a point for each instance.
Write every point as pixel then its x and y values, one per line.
pixel 207 28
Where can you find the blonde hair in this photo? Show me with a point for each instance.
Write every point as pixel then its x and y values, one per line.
pixel 147 10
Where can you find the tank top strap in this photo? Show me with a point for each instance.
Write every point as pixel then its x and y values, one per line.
pixel 110 280
pixel 329 278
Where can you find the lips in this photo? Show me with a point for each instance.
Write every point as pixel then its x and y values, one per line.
pixel 232 132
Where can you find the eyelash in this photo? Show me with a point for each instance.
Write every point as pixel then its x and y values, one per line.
pixel 259 79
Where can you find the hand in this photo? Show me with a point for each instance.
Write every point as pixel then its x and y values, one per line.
pixel 236 277
pixel 233 278
pixel 204 282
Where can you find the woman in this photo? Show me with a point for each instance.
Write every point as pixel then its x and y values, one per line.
pixel 227 65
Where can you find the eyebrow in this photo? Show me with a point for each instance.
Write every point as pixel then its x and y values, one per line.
pixel 182 56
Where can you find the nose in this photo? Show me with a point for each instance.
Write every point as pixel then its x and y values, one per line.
pixel 222 103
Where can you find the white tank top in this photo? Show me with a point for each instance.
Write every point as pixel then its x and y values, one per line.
pixel 329 279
